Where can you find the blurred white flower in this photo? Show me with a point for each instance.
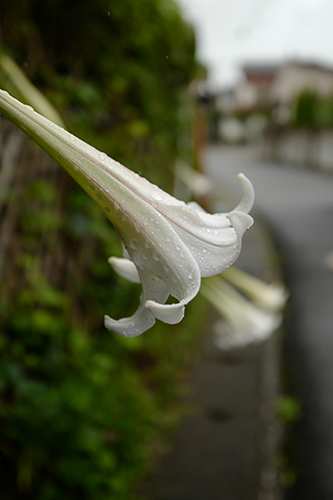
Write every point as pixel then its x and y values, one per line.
pixel 243 322
pixel 267 295
pixel 168 244
pixel 198 183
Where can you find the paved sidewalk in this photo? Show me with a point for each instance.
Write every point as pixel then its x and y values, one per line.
pixel 298 203
pixel 225 447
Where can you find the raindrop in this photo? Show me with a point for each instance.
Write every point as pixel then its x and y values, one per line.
pixel 133 244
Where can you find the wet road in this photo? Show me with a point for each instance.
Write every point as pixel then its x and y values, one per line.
pixel 298 205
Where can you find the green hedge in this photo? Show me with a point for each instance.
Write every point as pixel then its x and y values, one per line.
pixel 83 411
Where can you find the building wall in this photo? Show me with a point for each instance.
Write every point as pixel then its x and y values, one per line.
pixel 305 148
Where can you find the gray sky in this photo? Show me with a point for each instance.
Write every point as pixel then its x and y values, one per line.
pixel 230 32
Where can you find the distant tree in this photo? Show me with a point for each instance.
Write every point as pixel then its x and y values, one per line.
pixel 306 109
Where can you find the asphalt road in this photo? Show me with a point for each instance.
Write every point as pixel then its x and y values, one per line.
pixel 298 205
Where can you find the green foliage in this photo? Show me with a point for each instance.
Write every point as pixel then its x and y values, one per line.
pixel 311 110
pixel 115 69
pixel 288 409
pixel 82 411
pixel 306 109
pixel 325 112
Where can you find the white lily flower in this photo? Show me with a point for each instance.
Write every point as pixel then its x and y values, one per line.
pixel 267 295
pixel 244 322
pixel 171 244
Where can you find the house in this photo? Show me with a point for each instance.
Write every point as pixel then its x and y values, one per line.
pixel 295 77
pixel 264 86
pixel 254 90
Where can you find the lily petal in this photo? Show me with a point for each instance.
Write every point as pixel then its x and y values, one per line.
pixel 214 242
pixel 247 200
pixel 125 268
pixel 171 313
pixel 142 319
